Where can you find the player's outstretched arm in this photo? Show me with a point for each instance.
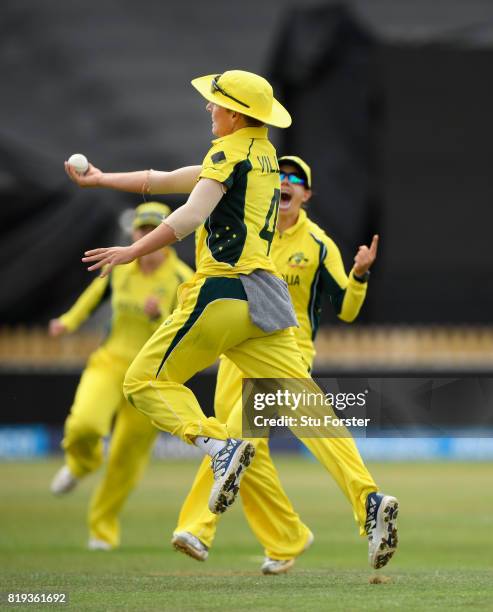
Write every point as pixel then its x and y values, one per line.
pixel 355 292
pixel 205 196
pixel 182 180
pixel 347 294
pixel 109 257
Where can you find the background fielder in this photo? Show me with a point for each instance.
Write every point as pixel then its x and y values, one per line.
pixel 311 264
pixel 142 295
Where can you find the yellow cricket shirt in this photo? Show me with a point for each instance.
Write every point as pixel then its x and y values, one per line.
pixel 236 237
pixel 311 264
pixel 129 289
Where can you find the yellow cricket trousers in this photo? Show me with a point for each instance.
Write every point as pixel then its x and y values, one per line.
pixel 98 399
pixel 213 319
pixel 267 508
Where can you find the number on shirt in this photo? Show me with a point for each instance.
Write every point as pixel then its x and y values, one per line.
pixel 266 233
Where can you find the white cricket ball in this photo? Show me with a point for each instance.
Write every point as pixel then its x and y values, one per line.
pixel 79 163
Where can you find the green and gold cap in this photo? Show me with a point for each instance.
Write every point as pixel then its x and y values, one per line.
pixel 301 165
pixel 150 213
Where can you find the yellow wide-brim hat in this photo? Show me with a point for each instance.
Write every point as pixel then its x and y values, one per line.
pixel 246 93
pixel 150 213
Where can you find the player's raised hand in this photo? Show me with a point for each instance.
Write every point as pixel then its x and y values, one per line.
pixel 365 257
pixel 91 178
pixel 56 328
pixel 108 258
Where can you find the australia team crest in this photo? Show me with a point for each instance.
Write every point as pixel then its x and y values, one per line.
pixel 298 260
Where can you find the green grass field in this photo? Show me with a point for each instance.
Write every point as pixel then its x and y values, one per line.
pixel 445 560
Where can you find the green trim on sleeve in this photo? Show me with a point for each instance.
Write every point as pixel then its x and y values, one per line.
pixel 323 283
pixel 314 303
pixel 335 292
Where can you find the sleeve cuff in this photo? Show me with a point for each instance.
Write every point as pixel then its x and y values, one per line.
pixel 363 279
pixel 68 322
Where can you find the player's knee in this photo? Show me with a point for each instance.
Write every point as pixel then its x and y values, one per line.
pixel 131 382
pixel 83 428
pixel 132 387
pixel 137 380
pixel 126 390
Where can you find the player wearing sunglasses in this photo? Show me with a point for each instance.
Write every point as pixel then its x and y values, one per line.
pixel 311 265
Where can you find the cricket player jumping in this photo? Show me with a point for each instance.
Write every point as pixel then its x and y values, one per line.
pixel 236 304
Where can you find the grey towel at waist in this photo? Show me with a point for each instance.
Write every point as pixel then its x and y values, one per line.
pixel 269 302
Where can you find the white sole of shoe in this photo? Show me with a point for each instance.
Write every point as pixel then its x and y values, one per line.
pixel 285 568
pixel 309 542
pixel 95 544
pixel 387 512
pixel 63 482
pixel 282 569
pixel 181 545
pixel 224 493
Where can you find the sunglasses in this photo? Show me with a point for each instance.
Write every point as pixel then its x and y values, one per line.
pixel 215 87
pixel 294 179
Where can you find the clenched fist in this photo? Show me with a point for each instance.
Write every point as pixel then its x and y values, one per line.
pixel 151 307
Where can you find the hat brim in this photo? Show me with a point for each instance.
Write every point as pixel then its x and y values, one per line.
pixel 278 117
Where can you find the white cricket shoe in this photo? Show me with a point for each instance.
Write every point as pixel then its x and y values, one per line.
pixel 381 528
pixel 274 567
pixel 187 543
pixel 97 544
pixel 228 466
pixel 63 481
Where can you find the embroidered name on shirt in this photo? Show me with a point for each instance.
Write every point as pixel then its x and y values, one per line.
pixel 292 280
pixel 267 165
